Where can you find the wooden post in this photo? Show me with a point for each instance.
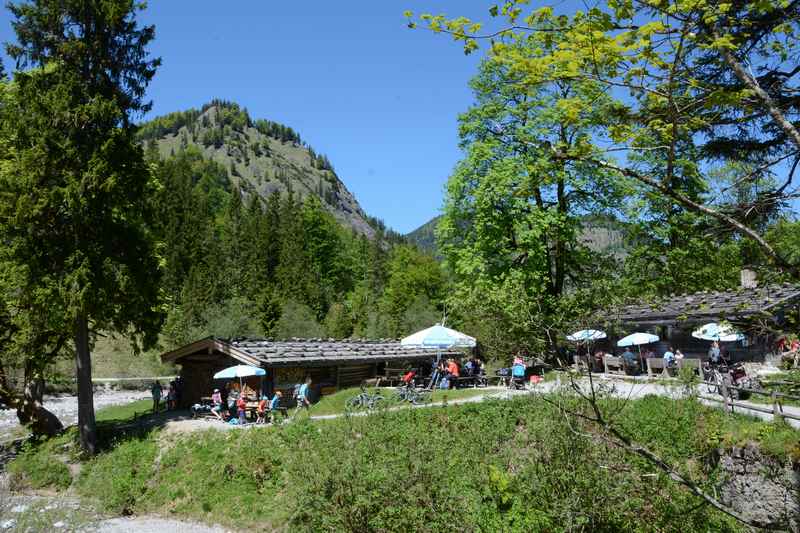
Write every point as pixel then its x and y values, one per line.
pixel 777 414
pixel 724 390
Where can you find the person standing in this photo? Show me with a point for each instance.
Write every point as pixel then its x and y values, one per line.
pixel 156 391
pixel 262 410
pixel 241 408
pixel 714 355
pixel 302 395
pixel 275 406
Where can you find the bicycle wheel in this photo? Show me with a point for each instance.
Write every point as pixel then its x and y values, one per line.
pixel 423 397
pixel 353 403
pixel 375 402
pixel 710 377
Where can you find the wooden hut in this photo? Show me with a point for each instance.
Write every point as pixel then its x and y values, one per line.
pixel 331 364
pixel 753 310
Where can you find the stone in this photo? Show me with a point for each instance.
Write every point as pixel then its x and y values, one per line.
pixel 761 487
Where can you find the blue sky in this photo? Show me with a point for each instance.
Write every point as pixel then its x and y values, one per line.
pixel 380 100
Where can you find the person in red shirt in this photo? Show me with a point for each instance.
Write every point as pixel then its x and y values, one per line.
pixel 241 407
pixel 453 371
pixel 262 410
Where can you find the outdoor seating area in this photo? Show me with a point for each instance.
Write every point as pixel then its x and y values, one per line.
pixel 643 353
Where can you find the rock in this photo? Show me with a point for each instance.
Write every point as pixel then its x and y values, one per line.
pixel 59 525
pixel 21 508
pixel 760 487
pixel 8 524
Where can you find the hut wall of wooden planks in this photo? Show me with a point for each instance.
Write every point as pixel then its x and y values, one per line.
pixel 331 364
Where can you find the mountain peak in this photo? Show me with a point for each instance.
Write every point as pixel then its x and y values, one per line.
pixel 260 156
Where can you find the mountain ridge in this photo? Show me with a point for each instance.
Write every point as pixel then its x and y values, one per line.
pixel 260 156
pixel 600 233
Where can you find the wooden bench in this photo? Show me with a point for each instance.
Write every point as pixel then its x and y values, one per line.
pixel 580 362
pixel 614 365
pixel 470 381
pixel 691 363
pixel 391 376
pixel 657 363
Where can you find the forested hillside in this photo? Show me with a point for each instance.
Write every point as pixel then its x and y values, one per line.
pixel 259 156
pixel 424 237
pixel 260 237
pixel 601 234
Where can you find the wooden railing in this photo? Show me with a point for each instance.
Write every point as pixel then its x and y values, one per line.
pixel 776 409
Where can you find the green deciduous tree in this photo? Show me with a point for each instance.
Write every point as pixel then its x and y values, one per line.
pixel 75 211
pixel 692 84
pixel 513 215
pixel 414 279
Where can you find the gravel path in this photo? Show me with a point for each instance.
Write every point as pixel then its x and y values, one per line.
pixel 153 525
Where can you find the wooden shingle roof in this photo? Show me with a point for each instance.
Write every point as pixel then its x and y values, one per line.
pixel 734 306
pixel 301 352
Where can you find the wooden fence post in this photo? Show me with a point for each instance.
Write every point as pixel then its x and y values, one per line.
pixel 777 414
pixel 724 390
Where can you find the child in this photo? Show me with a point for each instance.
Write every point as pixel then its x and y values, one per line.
pixel 241 407
pixel 262 409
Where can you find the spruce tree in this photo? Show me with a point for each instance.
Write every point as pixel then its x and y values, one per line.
pixel 74 214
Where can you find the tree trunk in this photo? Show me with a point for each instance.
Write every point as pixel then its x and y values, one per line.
pixel 83 367
pixel 30 411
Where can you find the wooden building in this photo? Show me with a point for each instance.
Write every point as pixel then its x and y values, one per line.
pixel 331 364
pixel 752 310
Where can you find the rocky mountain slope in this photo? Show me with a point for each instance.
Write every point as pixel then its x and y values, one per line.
pixel 261 156
pixel 599 233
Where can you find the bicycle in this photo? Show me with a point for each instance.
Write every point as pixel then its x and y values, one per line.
pixel 407 393
pixel 364 400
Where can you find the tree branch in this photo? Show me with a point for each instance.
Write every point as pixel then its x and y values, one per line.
pixel 752 84
pixel 698 208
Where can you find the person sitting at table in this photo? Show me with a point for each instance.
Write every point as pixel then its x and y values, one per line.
pixel 714 354
pixel 669 357
pixel 453 371
pixel 630 361
pixel 216 404
pixel 599 355
pixel 233 395
pixel 471 367
pixel 262 410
